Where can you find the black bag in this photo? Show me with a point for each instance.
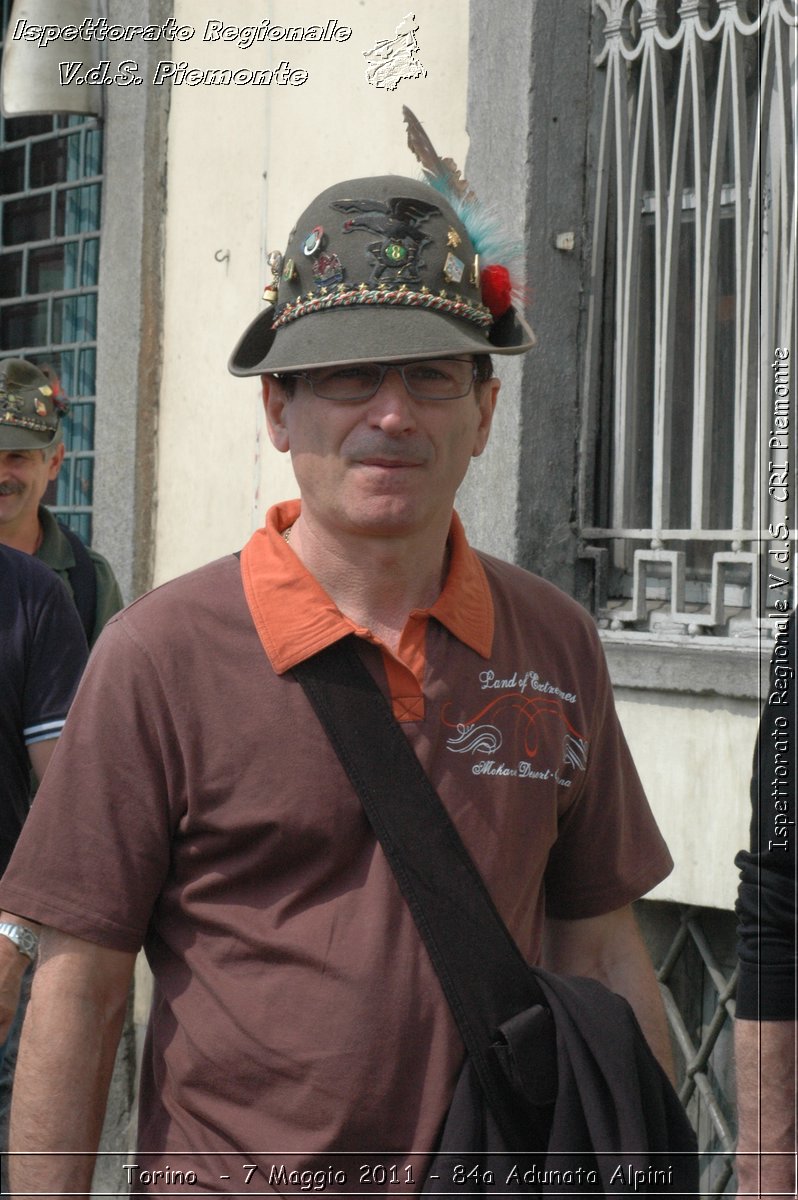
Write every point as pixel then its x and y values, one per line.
pixel 558 1070
pixel 83 581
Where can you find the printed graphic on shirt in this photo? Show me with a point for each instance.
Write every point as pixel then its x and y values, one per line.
pixel 529 722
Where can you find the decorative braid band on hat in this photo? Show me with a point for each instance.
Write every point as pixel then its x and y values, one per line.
pixel 343 297
pixel 28 423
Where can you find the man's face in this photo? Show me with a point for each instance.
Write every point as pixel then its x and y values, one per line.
pixel 388 466
pixel 24 476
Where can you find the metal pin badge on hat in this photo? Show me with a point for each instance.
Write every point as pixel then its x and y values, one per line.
pixel 274 261
pixel 313 241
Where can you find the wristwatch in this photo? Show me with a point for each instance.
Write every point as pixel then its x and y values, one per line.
pixel 25 940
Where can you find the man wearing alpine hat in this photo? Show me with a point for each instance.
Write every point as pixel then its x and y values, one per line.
pixel 32 407
pixel 297 1021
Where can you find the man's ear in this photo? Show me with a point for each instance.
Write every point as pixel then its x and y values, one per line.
pixel 274 405
pixel 54 463
pixel 486 400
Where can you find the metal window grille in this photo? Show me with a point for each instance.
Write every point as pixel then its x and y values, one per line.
pixel 692 289
pixel 695 953
pixel 50 193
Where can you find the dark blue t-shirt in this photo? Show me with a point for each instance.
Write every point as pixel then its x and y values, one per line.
pixel 42 655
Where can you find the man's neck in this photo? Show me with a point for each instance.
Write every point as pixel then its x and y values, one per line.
pixel 25 535
pixel 376 582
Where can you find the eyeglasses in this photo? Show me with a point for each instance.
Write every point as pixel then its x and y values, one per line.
pixel 430 379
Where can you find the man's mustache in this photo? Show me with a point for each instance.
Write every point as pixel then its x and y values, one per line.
pixel 389 451
pixel 11 489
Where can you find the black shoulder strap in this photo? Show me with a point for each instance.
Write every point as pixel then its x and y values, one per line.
pixel 83 581
pixel 484 976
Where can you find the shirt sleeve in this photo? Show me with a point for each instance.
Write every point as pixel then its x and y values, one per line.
pixel 95 849
pixel 57 657
pixel 609 850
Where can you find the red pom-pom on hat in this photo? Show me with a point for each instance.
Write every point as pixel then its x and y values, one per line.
pixel 496 289
pixel 59 397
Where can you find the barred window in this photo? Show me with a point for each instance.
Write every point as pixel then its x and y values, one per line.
pixel 50 192
pixel 692 282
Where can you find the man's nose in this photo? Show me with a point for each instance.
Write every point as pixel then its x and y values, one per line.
pixel 391 407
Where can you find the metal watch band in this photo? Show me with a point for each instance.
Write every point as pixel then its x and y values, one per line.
pixel 25 940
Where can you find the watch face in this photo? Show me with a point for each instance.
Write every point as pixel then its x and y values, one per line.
pixel 24 939
pixel 28 942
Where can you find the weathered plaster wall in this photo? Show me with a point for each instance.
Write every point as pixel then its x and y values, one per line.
pixel 694 758
pixel 242 163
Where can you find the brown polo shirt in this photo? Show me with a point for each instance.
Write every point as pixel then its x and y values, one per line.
pixel 195 806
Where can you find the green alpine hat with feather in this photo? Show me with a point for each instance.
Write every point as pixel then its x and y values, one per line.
pixel 384 269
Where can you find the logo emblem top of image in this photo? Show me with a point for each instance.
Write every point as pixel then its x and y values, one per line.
pixel 390 60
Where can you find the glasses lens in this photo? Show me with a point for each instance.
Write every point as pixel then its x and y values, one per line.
pixel 431 379
pixel 439 378
pixel 354 382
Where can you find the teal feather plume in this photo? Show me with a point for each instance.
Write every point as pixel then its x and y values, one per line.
pixel 482 224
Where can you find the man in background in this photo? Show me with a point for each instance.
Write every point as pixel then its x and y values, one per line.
pixel 31 454
pixel 42 654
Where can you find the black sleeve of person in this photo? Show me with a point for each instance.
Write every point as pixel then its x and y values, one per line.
pixel 766 899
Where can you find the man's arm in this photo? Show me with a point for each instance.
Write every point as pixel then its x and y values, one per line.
pixel 40 754
pixel 610 949
pixel 66 1058
pixel 766 1100
pixel 12 962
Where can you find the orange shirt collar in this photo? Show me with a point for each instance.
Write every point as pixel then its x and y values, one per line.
pixel 295 618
